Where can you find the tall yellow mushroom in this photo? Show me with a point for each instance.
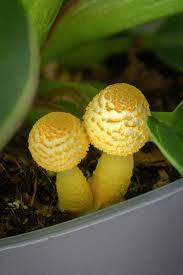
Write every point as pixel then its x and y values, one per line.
pixel 58 142
pixel 115 121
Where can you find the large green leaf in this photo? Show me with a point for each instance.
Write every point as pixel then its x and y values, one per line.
pixel 18 67
pixel 42 14
pixel 167 132
pixel 167 42
pixel 47 85
pixel 88 20
pixel 173 57
pixel 94 53
pixel 46 92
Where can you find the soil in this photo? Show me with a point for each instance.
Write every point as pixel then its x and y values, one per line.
pixel 28 199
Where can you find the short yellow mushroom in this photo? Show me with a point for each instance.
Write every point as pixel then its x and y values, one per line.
pixel 58 142
pixel 115 121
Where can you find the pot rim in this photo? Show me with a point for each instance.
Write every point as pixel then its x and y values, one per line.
pixel 91 219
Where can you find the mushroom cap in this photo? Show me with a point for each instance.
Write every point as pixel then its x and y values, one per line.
pixel 115 120
pixel 58 141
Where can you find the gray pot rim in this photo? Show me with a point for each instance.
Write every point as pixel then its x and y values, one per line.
pixel 91 219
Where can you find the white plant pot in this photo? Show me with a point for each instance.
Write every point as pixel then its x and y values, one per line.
pixel 140 236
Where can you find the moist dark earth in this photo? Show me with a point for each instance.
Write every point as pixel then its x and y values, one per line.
pixel 28 199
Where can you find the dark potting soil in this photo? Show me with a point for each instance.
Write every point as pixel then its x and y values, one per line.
pixel 28 199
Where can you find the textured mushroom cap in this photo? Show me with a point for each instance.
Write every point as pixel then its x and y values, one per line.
pixel 115 120
pixel 58 141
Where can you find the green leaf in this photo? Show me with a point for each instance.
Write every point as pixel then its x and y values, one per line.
pixel 47 88
pixel 96 52
pixel 35 113
pixel 89 20
pixel 167 42
pixel 42 14
pixel 47 85
pixel 179 111
pixel 70 107
pixel 19 67
pixel 166 131
pixel 173 57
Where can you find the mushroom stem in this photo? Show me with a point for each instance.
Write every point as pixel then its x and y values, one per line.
pixel 111 179
pixel 74 192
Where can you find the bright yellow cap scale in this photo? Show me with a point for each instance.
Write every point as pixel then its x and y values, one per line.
pixel 115 120
pixel 58 141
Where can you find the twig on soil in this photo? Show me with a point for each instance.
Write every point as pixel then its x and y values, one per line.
pixel 34 193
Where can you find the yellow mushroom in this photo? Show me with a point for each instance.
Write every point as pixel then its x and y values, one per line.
pixel 58 142
pixel 115 121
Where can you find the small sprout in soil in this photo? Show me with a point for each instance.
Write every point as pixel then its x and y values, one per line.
pixel 58 142
pixel 115 121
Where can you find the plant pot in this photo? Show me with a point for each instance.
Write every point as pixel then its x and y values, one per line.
pixel 143 235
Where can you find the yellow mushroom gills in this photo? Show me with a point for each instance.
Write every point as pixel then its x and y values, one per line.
pixel 58 142
pixel 115 121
